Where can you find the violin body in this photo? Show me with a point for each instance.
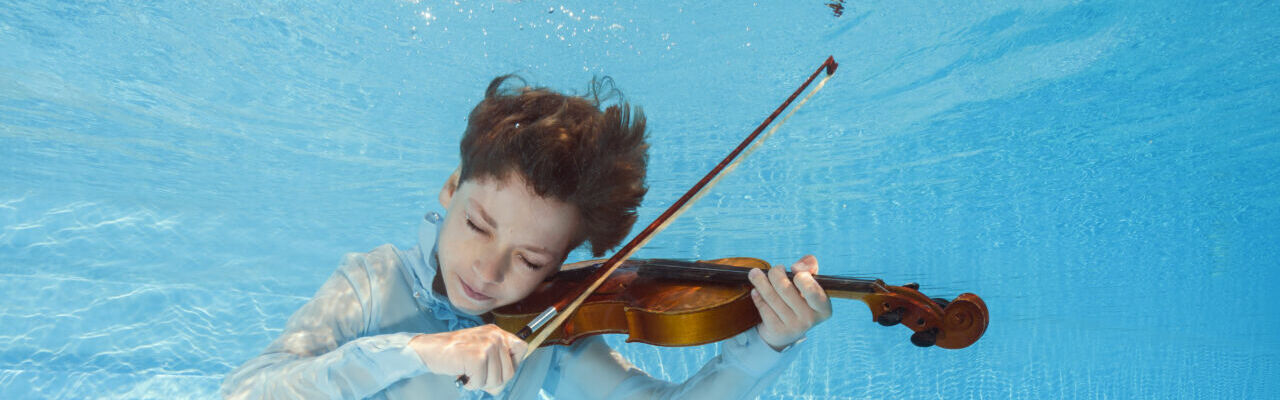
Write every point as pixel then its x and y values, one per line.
pixel 688 303
pixel 649 309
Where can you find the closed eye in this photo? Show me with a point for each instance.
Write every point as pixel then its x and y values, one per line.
pixel 528 263
pixel 474 227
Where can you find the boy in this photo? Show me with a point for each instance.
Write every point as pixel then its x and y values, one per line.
pixel 541 173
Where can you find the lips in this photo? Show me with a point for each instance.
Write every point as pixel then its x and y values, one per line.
pixel 471 293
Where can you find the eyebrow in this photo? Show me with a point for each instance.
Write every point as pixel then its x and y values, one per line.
pixel 485 216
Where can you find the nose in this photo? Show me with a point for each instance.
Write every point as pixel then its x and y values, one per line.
pixel 490 267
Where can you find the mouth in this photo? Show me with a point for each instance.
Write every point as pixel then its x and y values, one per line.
pixel 472 293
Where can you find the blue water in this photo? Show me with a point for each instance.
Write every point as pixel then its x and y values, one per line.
pixel 178 177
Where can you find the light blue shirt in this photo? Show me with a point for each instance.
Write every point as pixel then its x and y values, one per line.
pixel 351 341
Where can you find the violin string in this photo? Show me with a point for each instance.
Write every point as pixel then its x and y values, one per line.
pixel 555 323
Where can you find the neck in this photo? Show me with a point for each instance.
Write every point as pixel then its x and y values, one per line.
pixel 835 286
pixel 437 282
pixel 703 271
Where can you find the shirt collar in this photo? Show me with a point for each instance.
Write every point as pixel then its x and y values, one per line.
pixel 424 265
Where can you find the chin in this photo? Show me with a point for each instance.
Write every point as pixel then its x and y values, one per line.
pixel 466 305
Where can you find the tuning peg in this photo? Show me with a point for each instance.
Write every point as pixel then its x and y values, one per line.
pixel 912 286
pixel 925 338
pixel 941 302
pixel 890 318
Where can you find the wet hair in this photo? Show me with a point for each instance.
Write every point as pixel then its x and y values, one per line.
pixel 567 149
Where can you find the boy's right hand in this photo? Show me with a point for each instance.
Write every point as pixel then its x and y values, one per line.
pixel 486 354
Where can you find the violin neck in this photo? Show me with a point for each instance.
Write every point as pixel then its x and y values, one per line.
pixel 835 286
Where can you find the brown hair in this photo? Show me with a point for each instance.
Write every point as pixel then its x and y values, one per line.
pixel 566 148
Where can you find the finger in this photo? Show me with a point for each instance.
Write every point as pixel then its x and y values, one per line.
pixel 516 350
pixel 519 348
pixel 814 295
pixel 770 296
pixel 808 263
pixel 509 362
pixel 767 316
pixel 789 294
pixel 496 356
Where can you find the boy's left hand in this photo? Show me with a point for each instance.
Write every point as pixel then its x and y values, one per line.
pixel 789 308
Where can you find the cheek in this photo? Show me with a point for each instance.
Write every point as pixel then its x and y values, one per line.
pixel 452 250
pixel 520 285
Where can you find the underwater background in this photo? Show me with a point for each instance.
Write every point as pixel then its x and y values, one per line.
pixel 176 178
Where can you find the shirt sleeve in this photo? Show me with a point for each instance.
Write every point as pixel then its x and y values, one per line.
pixel 745 366
pixel 320 354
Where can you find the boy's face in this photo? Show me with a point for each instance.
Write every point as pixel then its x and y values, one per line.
pixel 500 240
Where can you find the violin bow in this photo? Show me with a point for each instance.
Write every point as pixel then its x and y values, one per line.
pixel 551 318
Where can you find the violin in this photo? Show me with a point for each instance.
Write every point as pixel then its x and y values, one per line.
pixel 686 303
pixel 682 303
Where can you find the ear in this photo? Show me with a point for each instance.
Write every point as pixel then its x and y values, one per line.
pixel 450 186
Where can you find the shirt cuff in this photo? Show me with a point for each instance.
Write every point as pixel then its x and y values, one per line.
pixel 750 353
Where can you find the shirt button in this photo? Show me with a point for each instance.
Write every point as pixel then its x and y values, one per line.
pixel 417 295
